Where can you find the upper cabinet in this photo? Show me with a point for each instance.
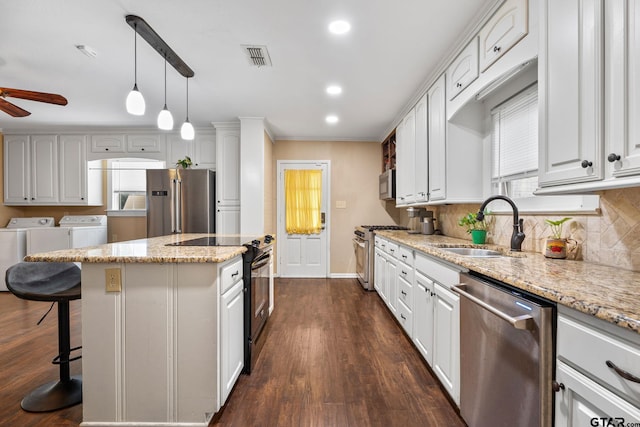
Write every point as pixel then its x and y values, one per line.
pixel 437 126
pixel 463 70
pixel 506 28
pixel 80 180
pixel 30 169
pixel 405 152
pixel 622 87
pixel 132 145
pixel 590 95
pixel 570 85
pixel 201 150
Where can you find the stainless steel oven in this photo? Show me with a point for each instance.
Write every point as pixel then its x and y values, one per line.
pixel 364 250
pixel 257 275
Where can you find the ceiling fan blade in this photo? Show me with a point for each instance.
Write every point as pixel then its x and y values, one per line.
pixel 50 98
pixel 12 110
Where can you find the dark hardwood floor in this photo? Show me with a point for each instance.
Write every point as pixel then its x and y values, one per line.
pixel 333 357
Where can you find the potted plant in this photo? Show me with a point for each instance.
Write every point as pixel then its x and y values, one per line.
pixel 185 163
pixel 556 246
pixel 477 229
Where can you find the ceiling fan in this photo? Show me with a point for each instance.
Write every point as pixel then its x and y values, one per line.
pixel 15 111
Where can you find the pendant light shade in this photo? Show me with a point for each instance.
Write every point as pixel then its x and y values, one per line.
pixel 135 101
pixel 186 131
pixel 165 119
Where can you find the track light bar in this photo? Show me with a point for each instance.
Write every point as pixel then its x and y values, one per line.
pixel 141 27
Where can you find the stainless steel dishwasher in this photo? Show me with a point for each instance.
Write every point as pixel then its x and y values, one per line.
pixel 506 355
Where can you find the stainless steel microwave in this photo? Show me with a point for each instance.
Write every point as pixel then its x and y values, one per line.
pixel 387 185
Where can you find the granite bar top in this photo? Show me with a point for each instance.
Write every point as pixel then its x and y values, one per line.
pixel 152 250
pixel 607 293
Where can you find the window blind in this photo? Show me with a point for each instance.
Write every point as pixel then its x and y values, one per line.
pixel 515 137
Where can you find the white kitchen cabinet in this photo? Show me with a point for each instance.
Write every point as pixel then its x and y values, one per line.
pixel 571 92
pixel 588 352
pixel 423 302
pixel 404 291
pixel 446 340
pixel 128 145
pixel 583 402
pixel 391 277
pixel 31 169
pixel 201 150
pixel 405 160
pixel 115 143
pixel 622 88
pixel 463 70
pixel 421 152
pixel 436 313
pixel 228 177
pixel 231 337
pixel 437 125
pixel 380 274
pixel 228 219
pixel 145 143
pixel 80 180
pixel 505 28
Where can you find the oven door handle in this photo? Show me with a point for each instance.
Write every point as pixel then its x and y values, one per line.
pixel 260 262
pixel 358 242
pixel 520 322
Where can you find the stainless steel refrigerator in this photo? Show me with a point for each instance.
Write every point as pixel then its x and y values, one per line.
pixel 180 201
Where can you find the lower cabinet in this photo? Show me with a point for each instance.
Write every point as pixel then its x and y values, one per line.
pixel 231 338
pixel 415 288
pixel 597 371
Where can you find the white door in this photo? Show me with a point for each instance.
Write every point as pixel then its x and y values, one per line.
pixel 303 255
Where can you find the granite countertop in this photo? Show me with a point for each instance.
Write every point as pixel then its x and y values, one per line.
pixel 152 250
pixel 607 293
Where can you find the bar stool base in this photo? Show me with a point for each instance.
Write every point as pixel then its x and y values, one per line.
pixel 54 395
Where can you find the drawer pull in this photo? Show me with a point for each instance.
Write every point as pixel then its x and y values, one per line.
pixel 235 274
pixel 624 374
pixel 402 315
pixel 404 256
pixel 403 293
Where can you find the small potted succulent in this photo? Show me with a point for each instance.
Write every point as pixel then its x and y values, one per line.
pixel 477 229
pixel 184 163
pixel 556 246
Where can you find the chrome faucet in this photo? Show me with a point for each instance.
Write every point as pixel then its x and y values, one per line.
pixel 518 235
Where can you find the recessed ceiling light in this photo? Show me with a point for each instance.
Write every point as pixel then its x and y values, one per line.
pixel 339 27
pixel 334 90
pixel 331 119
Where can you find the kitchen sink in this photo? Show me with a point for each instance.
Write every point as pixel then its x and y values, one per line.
pixel 474 252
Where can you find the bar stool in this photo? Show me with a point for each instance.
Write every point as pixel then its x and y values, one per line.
pixel 54 282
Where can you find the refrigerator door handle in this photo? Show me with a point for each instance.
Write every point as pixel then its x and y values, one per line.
pixel 178 206
pixel 172 208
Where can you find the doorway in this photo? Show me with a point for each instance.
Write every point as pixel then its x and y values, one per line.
pixel 303 253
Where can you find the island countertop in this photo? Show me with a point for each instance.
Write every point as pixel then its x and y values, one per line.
pixel 151 250
pixel 608 293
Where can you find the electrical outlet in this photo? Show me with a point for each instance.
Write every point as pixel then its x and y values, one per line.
pixel 113 280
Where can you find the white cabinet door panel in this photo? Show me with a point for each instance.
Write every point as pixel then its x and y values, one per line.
pixel 437 140
pixel 44 169
pixel 506 28
pixel 463 70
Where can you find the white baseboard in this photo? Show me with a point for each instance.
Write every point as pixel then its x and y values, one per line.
pixel 343 276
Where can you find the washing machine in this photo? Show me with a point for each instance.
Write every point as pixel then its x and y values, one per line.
pixel 13 241
pixel 73 231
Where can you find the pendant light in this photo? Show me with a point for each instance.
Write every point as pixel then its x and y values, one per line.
pixel 186 131
pixel 165 119
pixel 135 100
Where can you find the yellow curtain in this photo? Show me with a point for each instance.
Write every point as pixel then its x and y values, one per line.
pixel 302 198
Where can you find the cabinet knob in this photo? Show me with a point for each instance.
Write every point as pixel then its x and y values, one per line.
pixel 26 198
pixel 496 48
pixel 458 84
pixel 33 198
pixel 106 149
pixel 557 386
pixel 81 198
pixel 433 294
pixel 613 157
pixel 586 164
pixel 142 149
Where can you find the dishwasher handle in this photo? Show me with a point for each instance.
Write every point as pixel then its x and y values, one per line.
pixel 524 322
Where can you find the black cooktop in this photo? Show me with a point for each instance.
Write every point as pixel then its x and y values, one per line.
pixel 384 227
pixel 214 241
pixel 223 241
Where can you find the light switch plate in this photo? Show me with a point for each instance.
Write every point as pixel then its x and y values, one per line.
pixel 341 204
pixel 113 280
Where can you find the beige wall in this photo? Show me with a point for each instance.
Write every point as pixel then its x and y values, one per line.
pixel 355 167
pixel 611 237
pixel 126 228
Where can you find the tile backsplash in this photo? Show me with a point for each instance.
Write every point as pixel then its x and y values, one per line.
pixel 611 237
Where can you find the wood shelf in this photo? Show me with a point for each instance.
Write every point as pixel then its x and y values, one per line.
pixel 389 152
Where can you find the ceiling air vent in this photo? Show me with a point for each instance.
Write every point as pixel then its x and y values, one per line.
pixel 258 55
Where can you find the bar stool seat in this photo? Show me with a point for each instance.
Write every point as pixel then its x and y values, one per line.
pixel 53 282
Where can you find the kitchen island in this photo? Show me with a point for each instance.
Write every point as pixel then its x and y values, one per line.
pixel 162 330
